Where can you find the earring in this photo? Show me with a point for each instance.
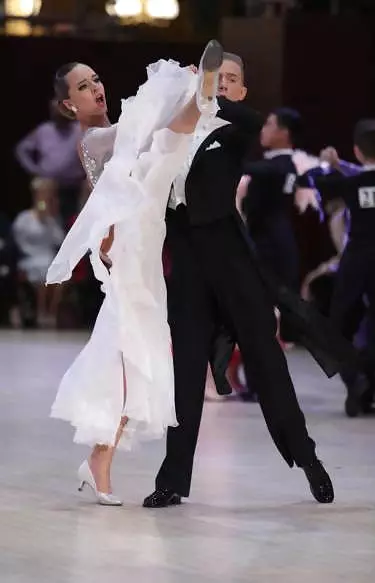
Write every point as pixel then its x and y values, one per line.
pixel 74 109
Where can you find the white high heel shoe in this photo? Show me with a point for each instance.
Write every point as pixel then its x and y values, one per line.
pixel 208 76
pixel 86 478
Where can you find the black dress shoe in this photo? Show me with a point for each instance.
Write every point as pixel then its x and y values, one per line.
pixel 161 499
pixel 320 483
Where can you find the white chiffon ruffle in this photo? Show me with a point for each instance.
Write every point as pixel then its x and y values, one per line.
pixel 131 333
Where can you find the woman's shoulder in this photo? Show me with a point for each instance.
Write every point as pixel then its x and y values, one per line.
pixel 97 140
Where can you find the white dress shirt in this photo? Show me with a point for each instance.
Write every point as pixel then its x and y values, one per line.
pixel 204 128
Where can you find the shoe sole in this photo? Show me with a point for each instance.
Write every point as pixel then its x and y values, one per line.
pixel 212 58
pixel 211 62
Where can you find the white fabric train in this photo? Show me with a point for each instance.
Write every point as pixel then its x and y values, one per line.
pixel 131 332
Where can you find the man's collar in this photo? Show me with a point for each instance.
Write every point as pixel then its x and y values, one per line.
pixel 274 153
pixel 210 124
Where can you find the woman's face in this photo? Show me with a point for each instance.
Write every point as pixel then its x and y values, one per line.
pixel 86 93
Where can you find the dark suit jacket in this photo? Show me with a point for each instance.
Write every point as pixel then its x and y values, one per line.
pixel 214 174
pixel 268 209
pixel 358 193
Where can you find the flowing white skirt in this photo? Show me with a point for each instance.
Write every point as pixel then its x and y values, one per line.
pixel 131 335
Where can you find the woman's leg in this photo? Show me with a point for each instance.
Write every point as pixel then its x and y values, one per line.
pixel 101 457
pixel 207 79
pixel 186 120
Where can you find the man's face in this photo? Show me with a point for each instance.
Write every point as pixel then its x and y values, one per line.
pixel 272 135
pixel 231 83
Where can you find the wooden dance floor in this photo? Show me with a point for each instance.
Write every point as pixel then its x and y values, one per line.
pixel 249 519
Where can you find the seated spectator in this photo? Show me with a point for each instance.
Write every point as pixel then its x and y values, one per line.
pixel 38 235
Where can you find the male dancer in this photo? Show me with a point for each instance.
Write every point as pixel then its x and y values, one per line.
pixel 269 202
pixel 212 266
pixel 356 274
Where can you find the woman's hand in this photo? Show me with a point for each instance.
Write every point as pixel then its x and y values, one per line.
pixel 330 156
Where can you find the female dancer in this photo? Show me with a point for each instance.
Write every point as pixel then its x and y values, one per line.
pixel 124 375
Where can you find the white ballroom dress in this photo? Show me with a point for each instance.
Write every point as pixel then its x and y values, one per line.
pixel 132 166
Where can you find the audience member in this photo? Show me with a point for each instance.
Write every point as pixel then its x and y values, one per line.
pixel 50 151
pixel 38 236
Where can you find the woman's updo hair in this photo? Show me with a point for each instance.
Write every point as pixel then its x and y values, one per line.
pixel 61 88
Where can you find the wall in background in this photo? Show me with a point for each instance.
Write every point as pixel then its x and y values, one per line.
pixel 324 67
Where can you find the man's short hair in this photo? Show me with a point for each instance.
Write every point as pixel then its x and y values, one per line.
pixel 291 120
pixel 236 59
pixel 364 137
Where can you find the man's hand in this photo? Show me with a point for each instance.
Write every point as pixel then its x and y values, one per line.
pixel 193 68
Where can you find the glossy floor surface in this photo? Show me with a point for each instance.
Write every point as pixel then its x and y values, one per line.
pixel 249 519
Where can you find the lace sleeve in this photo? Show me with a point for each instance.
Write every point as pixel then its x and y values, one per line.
pixel 96 149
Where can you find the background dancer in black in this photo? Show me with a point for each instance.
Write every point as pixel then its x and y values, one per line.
pixel 268 205
pixel 356 275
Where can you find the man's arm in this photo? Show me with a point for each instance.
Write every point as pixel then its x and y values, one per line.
pixel 25 152
pixel 327 179
pixel 330 186
pixel 238 113
pixel 349 169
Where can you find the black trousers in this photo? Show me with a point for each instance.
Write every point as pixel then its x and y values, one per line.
pixel 222 349
pixel 356 280
pixel 278 251
pixel 211 265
